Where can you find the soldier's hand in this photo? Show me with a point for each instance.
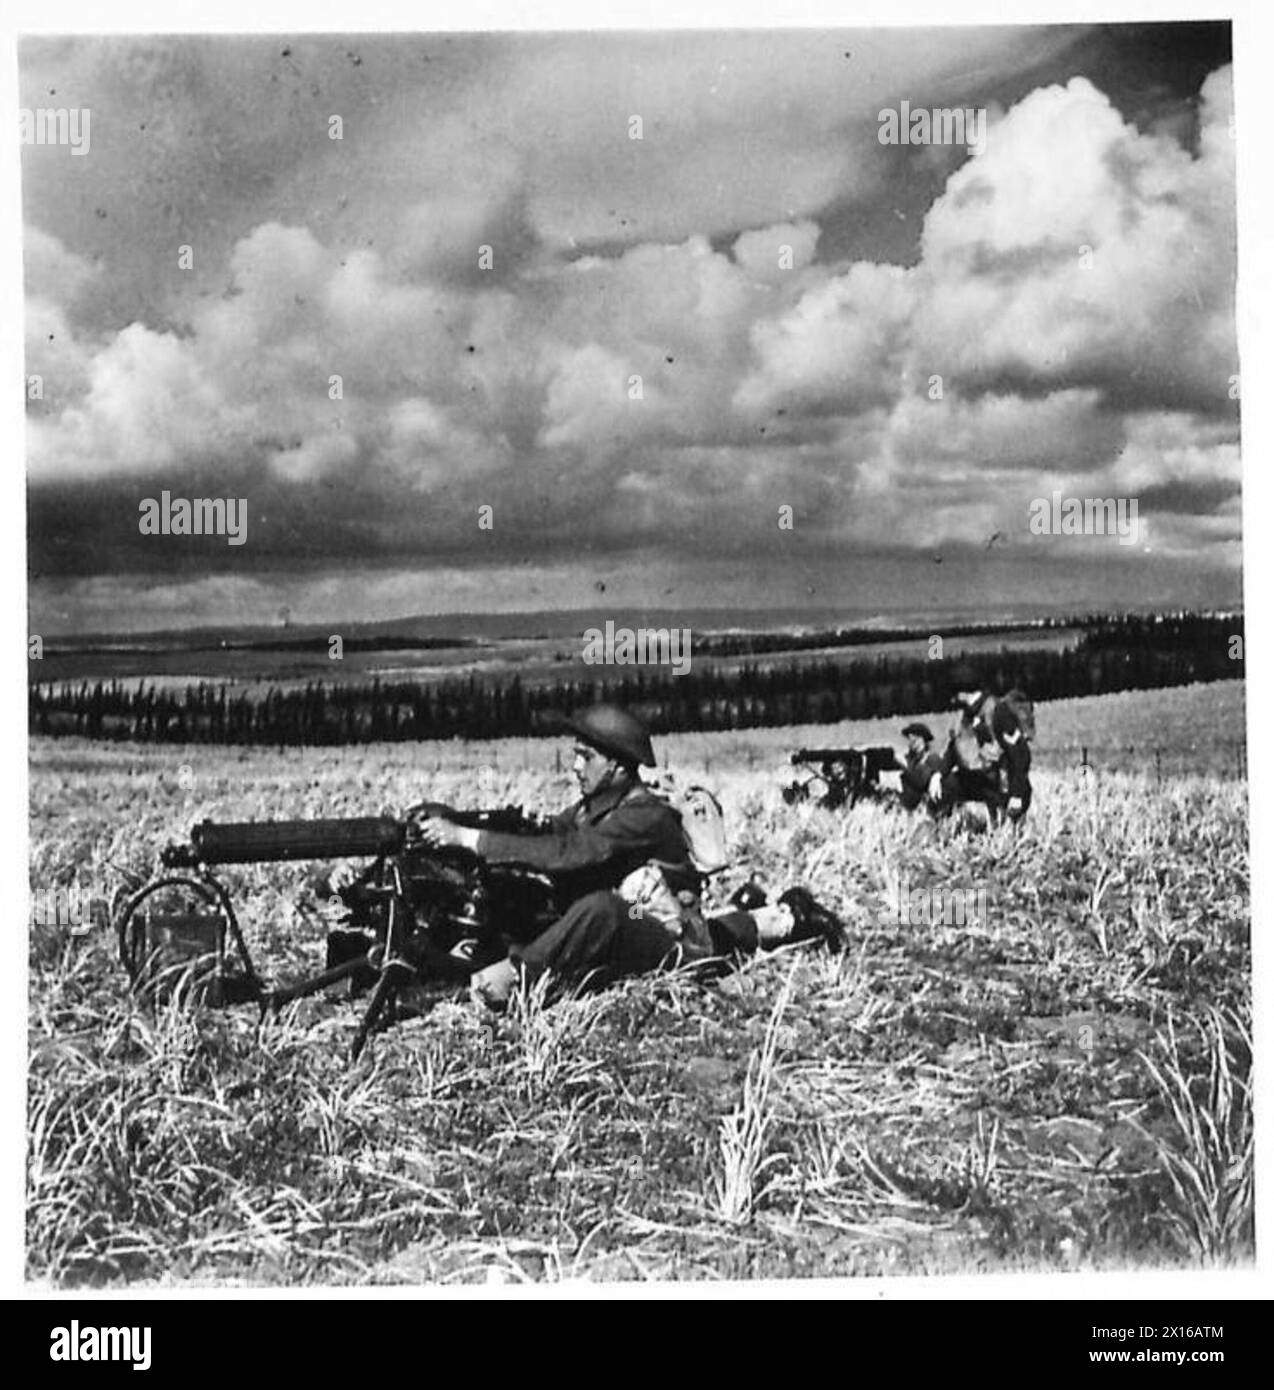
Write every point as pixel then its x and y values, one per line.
pixel 935 787
pixel 1015 806
pixel 342 875
pixel 438 833
pixel 435 831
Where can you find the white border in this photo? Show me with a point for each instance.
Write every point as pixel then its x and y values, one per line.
pixel 1253 52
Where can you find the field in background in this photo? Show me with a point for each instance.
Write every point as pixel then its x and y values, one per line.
pixel 538 646
pixel 536 660
pixel 1063 1084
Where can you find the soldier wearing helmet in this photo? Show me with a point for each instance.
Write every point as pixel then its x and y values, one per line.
pixel 988 758
pixel 610 838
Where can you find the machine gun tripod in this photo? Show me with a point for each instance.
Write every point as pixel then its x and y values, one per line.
pixel 417 913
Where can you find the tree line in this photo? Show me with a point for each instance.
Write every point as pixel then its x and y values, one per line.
pixel 1126 652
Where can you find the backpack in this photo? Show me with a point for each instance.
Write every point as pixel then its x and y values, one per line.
pixel 1024 708
pixel 702 821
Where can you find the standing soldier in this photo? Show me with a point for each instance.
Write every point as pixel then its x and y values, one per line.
pixel 988 758
pixel 920 763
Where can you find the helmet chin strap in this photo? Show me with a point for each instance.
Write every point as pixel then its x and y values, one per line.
pixel 615 772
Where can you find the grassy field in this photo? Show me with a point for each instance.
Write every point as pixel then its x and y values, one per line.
pixel 1062 1083
pixel 259 661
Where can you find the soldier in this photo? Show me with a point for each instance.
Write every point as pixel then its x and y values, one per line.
pixel 988 758
pixel 919 764
pixel 619 835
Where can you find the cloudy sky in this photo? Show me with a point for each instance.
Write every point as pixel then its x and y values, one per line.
pixel 786 287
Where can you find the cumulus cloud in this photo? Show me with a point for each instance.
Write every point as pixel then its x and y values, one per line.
pixel 769 252
pixel 51 271
pixel 149 408
pixel 1064 431
pixel 340 343
pixel 1076 251
pixel 840 347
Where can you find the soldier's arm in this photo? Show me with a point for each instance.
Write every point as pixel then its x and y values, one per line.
pixel 948 759
pixel 1017 751
pixel 622 835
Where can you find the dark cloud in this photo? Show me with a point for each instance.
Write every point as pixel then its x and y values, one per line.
pixel 1189 496
pixel 668 338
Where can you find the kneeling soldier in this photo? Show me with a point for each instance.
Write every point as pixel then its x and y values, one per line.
pixel 988 758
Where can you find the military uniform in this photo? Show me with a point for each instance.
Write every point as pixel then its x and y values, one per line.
pixel 1002 770
pixel 622 855
pixel 591 849
pixel 917 773
pixel 918 768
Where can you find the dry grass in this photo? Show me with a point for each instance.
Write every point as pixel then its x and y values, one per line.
pixel 1210 1156
pixel 745 1132
pixel 1066 1084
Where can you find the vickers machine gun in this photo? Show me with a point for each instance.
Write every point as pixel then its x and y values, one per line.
pixel 416 913
pixel 841 774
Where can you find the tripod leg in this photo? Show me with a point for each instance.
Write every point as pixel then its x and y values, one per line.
pixel 394 975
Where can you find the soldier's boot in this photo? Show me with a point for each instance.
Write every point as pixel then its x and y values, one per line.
pixel 749 896
pixel 813 921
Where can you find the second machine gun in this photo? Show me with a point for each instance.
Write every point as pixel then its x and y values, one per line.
pixel 416 913
pixel 842 776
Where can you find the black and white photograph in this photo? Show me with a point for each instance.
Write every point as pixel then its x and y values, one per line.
pixel 635 658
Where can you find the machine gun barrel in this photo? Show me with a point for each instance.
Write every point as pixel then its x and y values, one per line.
pixel 259 842
pixel 876 754
pixel 823 755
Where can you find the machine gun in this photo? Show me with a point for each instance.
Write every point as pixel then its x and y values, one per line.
pixel 416 913
pixel 842 775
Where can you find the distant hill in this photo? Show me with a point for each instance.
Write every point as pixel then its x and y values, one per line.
pixel 431 628
pixel 443 629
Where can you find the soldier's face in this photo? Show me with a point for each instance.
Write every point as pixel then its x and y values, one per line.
pixel 916 745
pixel 590 768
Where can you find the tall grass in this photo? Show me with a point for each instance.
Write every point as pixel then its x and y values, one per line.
pixel 915 1104
pixel 550 1035
pixel 744 1139
pixel 1209 1151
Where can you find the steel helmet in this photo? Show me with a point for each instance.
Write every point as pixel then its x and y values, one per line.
pixel 615 732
